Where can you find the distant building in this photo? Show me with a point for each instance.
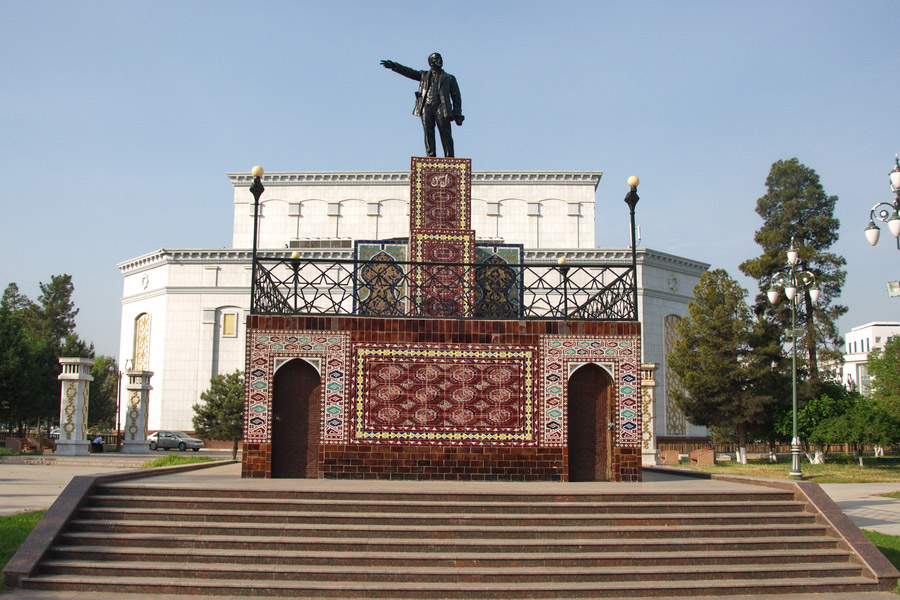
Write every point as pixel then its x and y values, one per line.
pixel 184 310
pixel 859 342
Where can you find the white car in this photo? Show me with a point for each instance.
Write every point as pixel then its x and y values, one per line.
pixel 167 440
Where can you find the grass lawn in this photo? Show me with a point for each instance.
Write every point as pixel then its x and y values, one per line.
pixel 888 544
pixel 837 469
pixel 13 531
pixel 170 460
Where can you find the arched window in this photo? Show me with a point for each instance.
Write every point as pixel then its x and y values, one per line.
pixel 675 421
pixel 141 350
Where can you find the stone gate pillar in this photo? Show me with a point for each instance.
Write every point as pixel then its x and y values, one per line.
pixel 649 451
pixel 135 434
pixel 75 381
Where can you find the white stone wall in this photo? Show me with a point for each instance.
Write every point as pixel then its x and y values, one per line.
pixel 857 345
pixel 666 285
pixel 532 211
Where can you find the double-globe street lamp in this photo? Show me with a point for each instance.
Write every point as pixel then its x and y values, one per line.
pixel 887 212
pixel 793 280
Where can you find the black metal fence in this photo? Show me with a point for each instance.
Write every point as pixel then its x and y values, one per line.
pixel 489 290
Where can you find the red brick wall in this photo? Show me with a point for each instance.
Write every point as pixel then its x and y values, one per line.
pixel 497 462
pixel 478 463
pixel 448 331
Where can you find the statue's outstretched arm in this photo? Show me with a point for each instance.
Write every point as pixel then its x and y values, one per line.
pixel 398 68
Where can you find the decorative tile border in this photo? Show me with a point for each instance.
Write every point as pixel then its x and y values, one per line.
pixel 267 351
pixel 620 356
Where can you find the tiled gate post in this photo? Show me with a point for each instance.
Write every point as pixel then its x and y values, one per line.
pixel 138 387
pixel 649 450
pixel 73 406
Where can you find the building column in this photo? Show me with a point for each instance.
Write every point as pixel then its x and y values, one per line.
pixel 649 451
pixel 75 381
pixel 138 386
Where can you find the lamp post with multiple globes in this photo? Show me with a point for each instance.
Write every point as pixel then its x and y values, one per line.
pixel 887 212
pixel 793 280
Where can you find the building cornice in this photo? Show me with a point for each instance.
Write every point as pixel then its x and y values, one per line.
pixel 288 178
pixel 645 257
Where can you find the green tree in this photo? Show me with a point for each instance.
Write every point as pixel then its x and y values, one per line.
pixel 835 403
pixel 724 384
pixel 865 423
pixel 884 368
pixel 32 338
pixel 102 401
pixel 796 206
pixel 221 415
pixel 57 308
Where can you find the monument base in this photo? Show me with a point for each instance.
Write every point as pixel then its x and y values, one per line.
pixel 649 458
pixel 135 447
pixel 79 448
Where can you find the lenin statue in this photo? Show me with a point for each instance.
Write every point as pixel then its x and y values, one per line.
pixel 437 101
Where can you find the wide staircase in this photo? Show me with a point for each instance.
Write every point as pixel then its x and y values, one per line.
pixel 157 540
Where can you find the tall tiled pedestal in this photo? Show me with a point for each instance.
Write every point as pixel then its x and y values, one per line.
pixel 73 406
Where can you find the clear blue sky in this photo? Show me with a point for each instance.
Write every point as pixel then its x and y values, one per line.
pixel 119 119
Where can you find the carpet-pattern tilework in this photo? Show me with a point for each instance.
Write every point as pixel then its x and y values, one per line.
pixel 437 290
pixel 443 394
pixel 440 193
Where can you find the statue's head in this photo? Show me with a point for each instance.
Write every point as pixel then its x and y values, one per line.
pixel 435 61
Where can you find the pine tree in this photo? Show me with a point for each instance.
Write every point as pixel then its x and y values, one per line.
pixel 796 206
pixel 725 384
pixel 221 415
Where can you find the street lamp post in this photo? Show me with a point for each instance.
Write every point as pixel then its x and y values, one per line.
pixel 887 212
pixel 791 280
pixel 631 199
pixel 256 189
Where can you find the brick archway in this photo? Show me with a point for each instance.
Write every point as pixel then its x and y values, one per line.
pixel 295 426
pixel 589 439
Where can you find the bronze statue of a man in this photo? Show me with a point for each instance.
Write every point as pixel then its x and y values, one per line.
pixel 437 101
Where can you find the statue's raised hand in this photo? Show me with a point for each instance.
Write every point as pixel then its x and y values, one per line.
pixel 388 64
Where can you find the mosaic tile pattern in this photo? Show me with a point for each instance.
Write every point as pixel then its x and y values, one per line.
pixel 443 394
pixel 380 284
pixel 268 350
pixel 620 356
pixel 498 285
pixel 440 193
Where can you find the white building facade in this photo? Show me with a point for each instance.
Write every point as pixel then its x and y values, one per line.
pixel 859 342
pixel 183 310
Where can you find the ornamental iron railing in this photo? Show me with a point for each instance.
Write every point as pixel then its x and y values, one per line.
pixel 489 290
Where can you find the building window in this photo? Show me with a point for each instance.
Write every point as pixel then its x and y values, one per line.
pixel 865 382
pixel 229 325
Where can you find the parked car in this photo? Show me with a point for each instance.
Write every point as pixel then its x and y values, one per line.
pixel 54 433
pixel 174 439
